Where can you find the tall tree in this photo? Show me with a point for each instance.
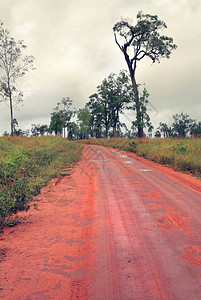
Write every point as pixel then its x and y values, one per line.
pixel 13 65
pixel 139 41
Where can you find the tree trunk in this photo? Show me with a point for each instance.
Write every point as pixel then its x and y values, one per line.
pixel 136 94
pixel 106 132
pixel 114 131
pixel 106 123
pixel 116 119
pixel 11 112
pixel 138 111
pixel 92 131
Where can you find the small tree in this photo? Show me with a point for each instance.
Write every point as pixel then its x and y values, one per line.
pixel 13 66
pixel 139 41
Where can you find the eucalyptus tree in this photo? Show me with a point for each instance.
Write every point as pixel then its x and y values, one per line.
pixel 13 65
pixel 140 41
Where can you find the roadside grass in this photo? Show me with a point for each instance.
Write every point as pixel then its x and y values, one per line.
pixel 26 164
pixel 180 154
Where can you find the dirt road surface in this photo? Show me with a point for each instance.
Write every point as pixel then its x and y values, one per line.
pixel 118 227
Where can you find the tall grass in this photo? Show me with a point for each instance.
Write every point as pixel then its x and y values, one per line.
pixel 181 154
pixel 26 164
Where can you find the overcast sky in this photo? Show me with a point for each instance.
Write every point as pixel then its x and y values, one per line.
pixel 74 49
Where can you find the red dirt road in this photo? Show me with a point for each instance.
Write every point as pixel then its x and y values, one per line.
pixel 118 227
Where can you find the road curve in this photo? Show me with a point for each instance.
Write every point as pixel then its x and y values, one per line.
pixel 117 228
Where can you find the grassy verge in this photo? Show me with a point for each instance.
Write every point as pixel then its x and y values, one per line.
pixel 26 164
pixel 180 154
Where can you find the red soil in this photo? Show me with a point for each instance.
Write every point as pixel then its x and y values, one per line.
pixel 119 227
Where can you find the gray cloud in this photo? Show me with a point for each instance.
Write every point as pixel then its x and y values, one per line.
pixel 74 50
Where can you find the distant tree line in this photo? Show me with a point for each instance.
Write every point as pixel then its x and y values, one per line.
pixel 93 122
pixel 101 115
pixel 183 126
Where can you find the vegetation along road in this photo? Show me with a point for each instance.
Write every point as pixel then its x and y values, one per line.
pixel 118 227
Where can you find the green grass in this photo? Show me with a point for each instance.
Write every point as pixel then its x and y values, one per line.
pixel 26 164
pixel 180 154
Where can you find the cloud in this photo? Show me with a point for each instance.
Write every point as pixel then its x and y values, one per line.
pixel 74 50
